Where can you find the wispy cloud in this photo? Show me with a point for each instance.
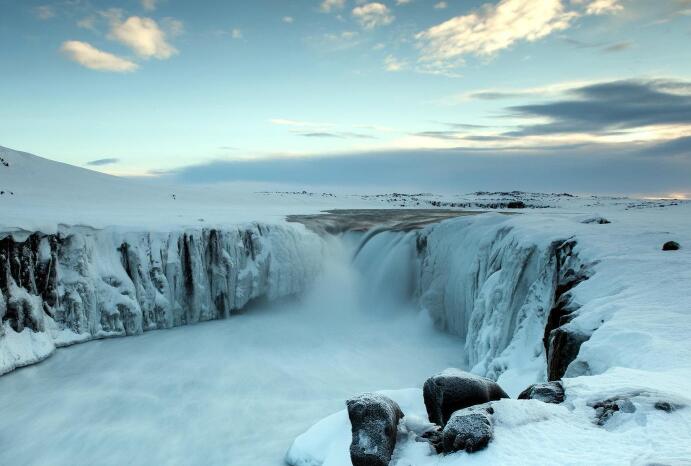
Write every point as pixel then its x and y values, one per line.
pixel 102 162
pixel 149 5
pixel 393 64
pixel 44 12
pixel 601 7
pixel 372 15
pixel 90 57
pixel 300 123
pixel 338 135
pixel 328 6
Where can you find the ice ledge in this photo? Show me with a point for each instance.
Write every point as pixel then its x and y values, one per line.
pixel 81 284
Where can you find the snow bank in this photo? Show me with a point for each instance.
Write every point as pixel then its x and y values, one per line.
pixel 81 284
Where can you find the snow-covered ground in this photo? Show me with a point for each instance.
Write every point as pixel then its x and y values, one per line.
pixel 238 391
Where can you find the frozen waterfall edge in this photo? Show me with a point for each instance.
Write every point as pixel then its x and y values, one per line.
pixel 82 284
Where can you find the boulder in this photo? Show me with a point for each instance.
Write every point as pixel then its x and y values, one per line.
pixel 374 421
pixel 469 429
pixel 549 392
pixel 671 246
pixel 454 389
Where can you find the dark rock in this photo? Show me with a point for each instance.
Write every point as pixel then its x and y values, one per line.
pixel 516 205
pixel 562 343
pixel 550 392
pixel 671 246
pixel 469 429
pixel 435 438
pixel 565 343
pixel 454 389
pixel 605 409
pixel 374 420
pixel 667 406
pixel 597 220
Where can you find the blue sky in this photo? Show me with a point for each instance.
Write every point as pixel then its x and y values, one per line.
pixel 176 87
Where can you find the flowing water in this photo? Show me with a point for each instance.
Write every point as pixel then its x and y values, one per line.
pixel 232 392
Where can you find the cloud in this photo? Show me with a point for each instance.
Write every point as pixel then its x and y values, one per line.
pixel 44 12
pixel 330 5
pixel 618 47
pixel 604 168
pixel 88 22
pixel 173 26
pixel 493 28
pixel 236 33
pixel 142 35
pixel 372 15
pixel 610 107
pixel 288 19
pixel 101 162
pixel 149 5
pixel 339 135
pixel 602 7
pixel 440 6
pixel 393 64
pixel 299 123
pixel 403 2
pixel 90 57
pixel 336 41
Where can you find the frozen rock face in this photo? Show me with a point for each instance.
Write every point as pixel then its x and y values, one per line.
pixel 454 389
pixel 82 284
pixel 495 284
pixel 374 419
pixel 469 429
pixel 550 392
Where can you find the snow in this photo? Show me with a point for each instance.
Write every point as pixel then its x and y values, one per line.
pixel 48 194
pixel 238 391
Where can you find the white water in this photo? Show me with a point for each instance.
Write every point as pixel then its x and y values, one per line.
pixel 233 392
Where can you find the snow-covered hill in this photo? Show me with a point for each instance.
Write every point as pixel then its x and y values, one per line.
pixel 40 194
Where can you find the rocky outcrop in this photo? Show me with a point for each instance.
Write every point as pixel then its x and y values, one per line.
pixel 80 284
pixel 468 429
pixel 454 389
pixel 374 421
pixel 671 246
pixel 562 341
pixel 549 392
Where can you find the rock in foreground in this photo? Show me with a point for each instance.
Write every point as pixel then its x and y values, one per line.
pixel 469 429
pixel 374 421
pixel 549 392
pixel 454 389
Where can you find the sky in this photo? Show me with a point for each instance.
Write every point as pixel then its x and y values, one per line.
pixel 580 95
